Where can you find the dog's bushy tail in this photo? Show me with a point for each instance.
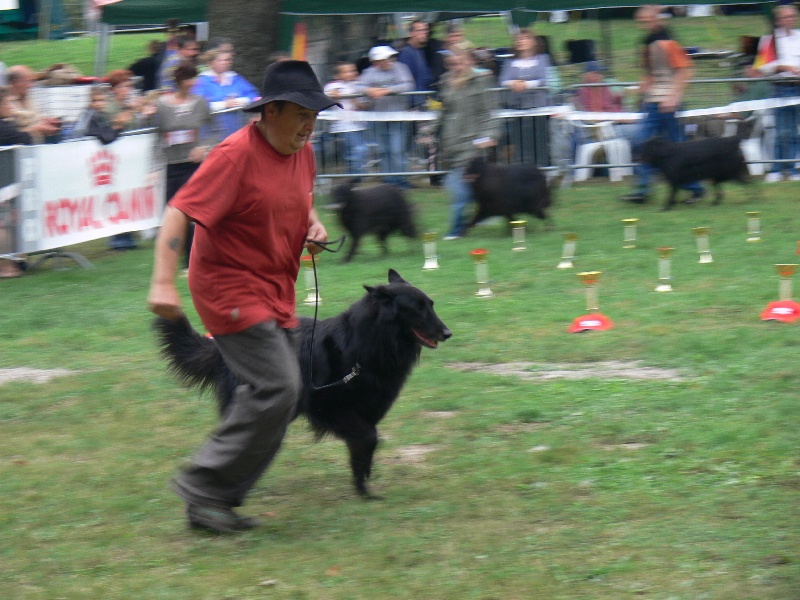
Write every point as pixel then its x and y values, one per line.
pixel 194 359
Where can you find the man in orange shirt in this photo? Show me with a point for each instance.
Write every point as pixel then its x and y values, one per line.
pixel 667 71
pixel 251 200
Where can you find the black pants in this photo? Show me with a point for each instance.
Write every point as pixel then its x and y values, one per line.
pixel 177 175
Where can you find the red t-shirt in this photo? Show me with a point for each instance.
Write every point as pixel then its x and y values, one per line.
pixel 251 205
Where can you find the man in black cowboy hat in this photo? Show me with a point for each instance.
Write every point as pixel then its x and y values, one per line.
pixel 251 200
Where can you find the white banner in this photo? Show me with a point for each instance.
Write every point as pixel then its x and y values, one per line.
pixel 74 192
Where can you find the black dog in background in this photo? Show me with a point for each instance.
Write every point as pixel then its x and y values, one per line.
pixel 382 335
pixel 380 210
pixel 716 159
pixel 507 190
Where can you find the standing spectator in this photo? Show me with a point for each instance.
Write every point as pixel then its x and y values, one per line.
pixel 254 201
pixel 434 55
pixel 667 71
pixel 466 128
pixel 223 44
pixel 553 76
pixel 10 135
pixel 25 115
pixel 526 77
pixel 224 89
pixel 121 111
pixel 94 123
pixel 413 56
pixel 181 118
pixel 122 108
pixel 147 68
pixel 784 48
pixel 349 92
pixel 186 49
pixel 384 80
pixel 526 73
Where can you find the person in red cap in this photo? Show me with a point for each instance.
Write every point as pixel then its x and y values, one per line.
pixel 251 201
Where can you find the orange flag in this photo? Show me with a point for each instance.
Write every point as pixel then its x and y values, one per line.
pixel 299 42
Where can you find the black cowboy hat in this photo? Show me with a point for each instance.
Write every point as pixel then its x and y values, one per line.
pixel 293 81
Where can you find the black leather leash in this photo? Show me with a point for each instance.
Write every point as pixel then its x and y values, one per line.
pixel 356 370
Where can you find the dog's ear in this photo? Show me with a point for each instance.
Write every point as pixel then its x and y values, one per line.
pixel 378 292
pixel 394 277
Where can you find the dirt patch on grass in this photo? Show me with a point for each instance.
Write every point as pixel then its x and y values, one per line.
pixel 410 455
pixel 440 414
pixel 32 375
pixel 610 369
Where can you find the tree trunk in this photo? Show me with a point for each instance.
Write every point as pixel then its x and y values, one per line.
pixel 252 26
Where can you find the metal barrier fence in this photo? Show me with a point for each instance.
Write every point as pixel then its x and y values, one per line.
pixel 533 136
pixel 542 136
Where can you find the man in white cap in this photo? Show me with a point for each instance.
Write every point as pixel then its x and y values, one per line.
pixel 251 199
pixel 383 81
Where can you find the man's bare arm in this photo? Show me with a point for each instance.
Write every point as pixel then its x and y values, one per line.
pixel 163 298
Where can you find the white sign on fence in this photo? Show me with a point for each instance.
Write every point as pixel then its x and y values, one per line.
pixel 79 191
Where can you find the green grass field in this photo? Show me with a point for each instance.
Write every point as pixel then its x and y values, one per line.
pixel 683 484
pixel 505 475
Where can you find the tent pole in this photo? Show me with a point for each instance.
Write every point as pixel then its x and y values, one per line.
pixel 605 39
pixel 101 48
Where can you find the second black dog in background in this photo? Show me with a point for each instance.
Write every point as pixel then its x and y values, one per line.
pixel 507 190
pixel 380 210
pixel 714 159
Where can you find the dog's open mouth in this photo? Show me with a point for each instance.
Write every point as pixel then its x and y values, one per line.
pixel 425 341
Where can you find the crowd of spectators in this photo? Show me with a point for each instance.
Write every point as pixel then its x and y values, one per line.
pixel 194 99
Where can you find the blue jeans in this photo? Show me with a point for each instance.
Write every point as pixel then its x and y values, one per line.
pixel 657 123
pixel 355 151
pixel 391 139
pixel 786 121
pixel 460 196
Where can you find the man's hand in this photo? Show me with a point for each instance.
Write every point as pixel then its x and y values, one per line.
pixel 377 92
pixel 165 301
pixel 316 233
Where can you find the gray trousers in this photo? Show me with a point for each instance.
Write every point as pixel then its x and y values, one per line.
pixel 264 358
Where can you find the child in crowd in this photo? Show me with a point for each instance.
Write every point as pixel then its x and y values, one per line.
pixel 349 91
pixel 93 121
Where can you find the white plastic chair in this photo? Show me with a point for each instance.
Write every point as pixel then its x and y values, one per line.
pixel 603 135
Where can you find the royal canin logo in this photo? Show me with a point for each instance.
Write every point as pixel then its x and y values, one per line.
pixel 101 167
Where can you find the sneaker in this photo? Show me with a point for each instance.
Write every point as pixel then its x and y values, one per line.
pixel 635 197
pixel 218 519
pixel 451 237
pixel 772 177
